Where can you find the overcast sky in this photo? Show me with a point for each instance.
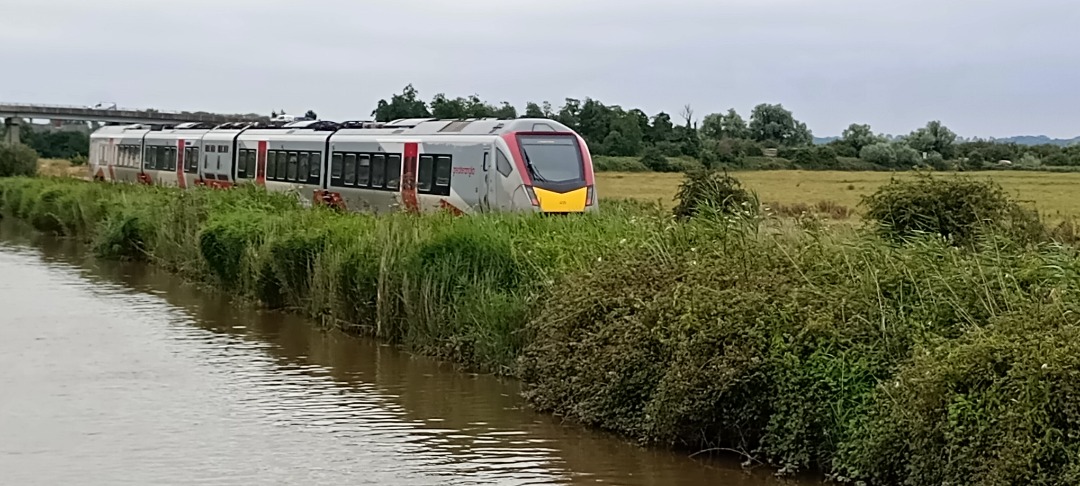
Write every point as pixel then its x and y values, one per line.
pixel 985 68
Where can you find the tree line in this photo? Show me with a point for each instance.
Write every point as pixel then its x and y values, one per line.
pixel 729 140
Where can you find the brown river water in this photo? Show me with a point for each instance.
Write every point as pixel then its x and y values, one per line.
pixel 116 373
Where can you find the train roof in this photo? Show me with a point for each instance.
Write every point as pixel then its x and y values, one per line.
pixel 472 126
pixel 408 126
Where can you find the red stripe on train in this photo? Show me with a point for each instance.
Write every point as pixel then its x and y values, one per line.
pixel 181 179
pixel 408 177
pixel 260 164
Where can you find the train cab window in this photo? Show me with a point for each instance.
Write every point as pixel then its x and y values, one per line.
pixel 335 168
pixel 378 171
pixel 302 170
pixel 282 161
pixel 502 164
pixel 315 172
pixel 350 169
pixel 393 172
pixel 442 172
pixel 424 173
pixel 363 171
pixel 293 160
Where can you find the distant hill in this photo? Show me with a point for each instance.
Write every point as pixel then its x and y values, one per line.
pixel 1038 140
pixel 1019 140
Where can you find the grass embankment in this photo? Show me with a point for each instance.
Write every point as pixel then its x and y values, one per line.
pixel 1052 194
pixel 916 363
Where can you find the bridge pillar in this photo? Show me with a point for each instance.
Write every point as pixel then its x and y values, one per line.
pixel 12 126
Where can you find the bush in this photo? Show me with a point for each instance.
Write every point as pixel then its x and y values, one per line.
pixel 958 209
pixel 655 160
pixel 79 160
pixel 17 160
pixel 716 190
pixel 618 164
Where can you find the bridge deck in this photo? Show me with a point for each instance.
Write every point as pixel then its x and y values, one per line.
pixel 118 115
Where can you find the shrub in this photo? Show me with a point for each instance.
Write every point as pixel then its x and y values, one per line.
pixel 718 190
pixel 79 160
pixel 655 160
pixel 17 160
pixel 958 209
pixel 618 164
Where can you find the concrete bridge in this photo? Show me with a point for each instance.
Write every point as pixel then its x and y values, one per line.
pixel 13 113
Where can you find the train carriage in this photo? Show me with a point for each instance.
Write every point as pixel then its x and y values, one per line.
pixel 170 157
pixel 115 153
pixel 290 158
pixel 417 165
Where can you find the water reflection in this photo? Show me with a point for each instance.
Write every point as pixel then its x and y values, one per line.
pixel 178 385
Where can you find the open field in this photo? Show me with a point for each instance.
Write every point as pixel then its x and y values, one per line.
pixel 60 168
pixel 1055 195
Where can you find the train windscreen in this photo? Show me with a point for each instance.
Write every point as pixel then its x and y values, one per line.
pixel 553 158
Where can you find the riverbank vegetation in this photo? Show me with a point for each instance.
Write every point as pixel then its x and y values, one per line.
pixel 936 345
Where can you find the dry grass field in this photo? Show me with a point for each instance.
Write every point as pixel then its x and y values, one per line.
pixel 60 168
pixel 1055 195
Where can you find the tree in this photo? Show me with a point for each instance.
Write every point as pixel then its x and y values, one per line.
pixel 404 105
pixel 625 136
pixel 858 136
pixel 311 115
pixel 775 124
pixel 505 111
pixel 718 126
pixel 448 109
pixel 661 129
pixel 934 137
pixel 533 110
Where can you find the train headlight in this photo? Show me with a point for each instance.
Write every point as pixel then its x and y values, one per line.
pixel 532 196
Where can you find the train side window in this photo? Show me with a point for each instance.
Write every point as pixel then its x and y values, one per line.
pixel 302 170
pixel 363 170
pixel 424 173
pixel 378 171
pixel 443 168
pixel 252 163
pixel 282 161
pixel 335 168
pixel 241 164
pixel 316 167
pixel 210 148
pixel 350 169
pixel 191 159
pixel 293 160
pixel 393 172
pixel 171 158
pixel 271 164
pixel 502 164
pixel 148 158
pixel 162 158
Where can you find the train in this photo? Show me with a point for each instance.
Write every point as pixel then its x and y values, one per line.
pixel 464 166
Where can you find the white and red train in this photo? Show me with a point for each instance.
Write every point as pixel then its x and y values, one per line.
pixel 420 165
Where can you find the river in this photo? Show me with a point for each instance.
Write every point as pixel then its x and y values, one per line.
pixel 119 373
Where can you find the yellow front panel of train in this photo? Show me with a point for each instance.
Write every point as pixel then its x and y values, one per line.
pixel 567 202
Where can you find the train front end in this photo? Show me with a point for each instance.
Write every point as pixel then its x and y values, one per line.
pixel 557 171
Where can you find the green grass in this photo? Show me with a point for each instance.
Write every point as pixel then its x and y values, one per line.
pixel 800 346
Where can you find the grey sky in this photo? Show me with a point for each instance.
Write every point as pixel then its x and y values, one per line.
pixel 987 68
